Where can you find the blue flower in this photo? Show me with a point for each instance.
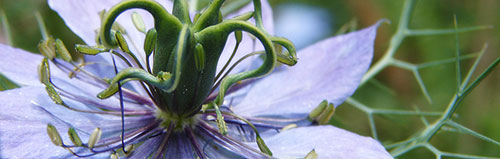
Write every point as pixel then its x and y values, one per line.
pixel 265 117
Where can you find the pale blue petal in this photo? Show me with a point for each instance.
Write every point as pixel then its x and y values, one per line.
pixel 20 66
pixel 327 141
pixel 330 69
pixel 26 111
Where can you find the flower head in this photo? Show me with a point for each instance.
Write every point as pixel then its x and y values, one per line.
pixel 179 89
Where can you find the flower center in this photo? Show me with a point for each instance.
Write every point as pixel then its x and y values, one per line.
pixel 179 123
pixel 186 53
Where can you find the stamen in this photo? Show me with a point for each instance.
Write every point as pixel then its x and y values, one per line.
pixel 311 155
pixel 262 146
pixel 90 50
pixel 94 137
pixel 103 84
pixel 238 36
pixel 194 142
pixel 149 45
pixel 44 71
pixel 122 43
pixel 54 135
pixel 288 127
pixel 45 49
pixel 73 136
pixel 62 51
pixel 121 104
pixel 233 66
pixel 220 120
pixel 199 57
pixel 138 22
pixel 230 142
pixel 322 113
pixel 161 149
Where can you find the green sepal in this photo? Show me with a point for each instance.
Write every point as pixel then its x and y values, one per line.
pixel 73 136
pixel 54 135
pixel 138 22
pixel 311 155
pixel 262 146
pixel 94 137
pixel 150 42
pixel 90 50
pixel 122 43
pixel 44 71
pixel 62 51
pixel 199 57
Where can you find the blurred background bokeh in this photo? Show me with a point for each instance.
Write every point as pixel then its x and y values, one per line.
pixel 308 21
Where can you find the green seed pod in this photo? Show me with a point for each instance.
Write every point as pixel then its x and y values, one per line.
pixel 311 155
pixel 263 147
pixel 199 57
pixel 150 42
pixel 73 136
pixel 54 135
pixel 62 51
pixel 94 137
pixel 138 22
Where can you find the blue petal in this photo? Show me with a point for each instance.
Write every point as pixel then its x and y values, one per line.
pixel 26 112
pixel 23 133
pixel 20 66
pixel 327 141
pixel 331 69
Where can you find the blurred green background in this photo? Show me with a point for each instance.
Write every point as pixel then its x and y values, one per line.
pixel 479 111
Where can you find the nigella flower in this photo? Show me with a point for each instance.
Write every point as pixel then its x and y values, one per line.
pixel 112 103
